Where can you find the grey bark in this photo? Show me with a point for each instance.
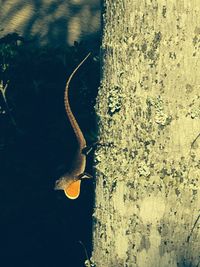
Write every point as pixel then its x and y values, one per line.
pixel 147 205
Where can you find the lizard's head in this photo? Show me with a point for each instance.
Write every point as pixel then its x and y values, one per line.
pixel 70 185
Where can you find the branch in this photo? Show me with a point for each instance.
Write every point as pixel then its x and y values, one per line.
pixel 3 92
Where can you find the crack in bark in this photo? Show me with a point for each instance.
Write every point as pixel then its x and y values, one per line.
pixel 192 230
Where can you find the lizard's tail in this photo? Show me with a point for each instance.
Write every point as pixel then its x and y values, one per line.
pixel 74 124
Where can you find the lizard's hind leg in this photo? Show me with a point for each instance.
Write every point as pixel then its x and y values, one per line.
pixel 86 150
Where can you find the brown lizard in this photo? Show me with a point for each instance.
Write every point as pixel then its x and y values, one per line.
pixel 70 182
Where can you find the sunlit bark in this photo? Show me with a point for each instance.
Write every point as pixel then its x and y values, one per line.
pixel 147 206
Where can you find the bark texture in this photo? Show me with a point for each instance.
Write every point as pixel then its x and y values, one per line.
pixel 147 206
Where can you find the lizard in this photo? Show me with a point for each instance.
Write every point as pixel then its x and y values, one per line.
pixel 70 182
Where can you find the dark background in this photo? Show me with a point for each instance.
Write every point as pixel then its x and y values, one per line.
pixel 38 225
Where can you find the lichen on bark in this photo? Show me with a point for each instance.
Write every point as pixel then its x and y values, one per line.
pixel 147 179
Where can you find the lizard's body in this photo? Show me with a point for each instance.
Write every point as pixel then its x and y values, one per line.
pixel 71 181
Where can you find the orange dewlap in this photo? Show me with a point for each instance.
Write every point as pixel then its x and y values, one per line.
pixel 73 190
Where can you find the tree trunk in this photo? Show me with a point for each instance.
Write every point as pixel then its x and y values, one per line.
pixel 147 206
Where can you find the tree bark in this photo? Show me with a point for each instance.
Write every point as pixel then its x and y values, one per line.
pixel 147 204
